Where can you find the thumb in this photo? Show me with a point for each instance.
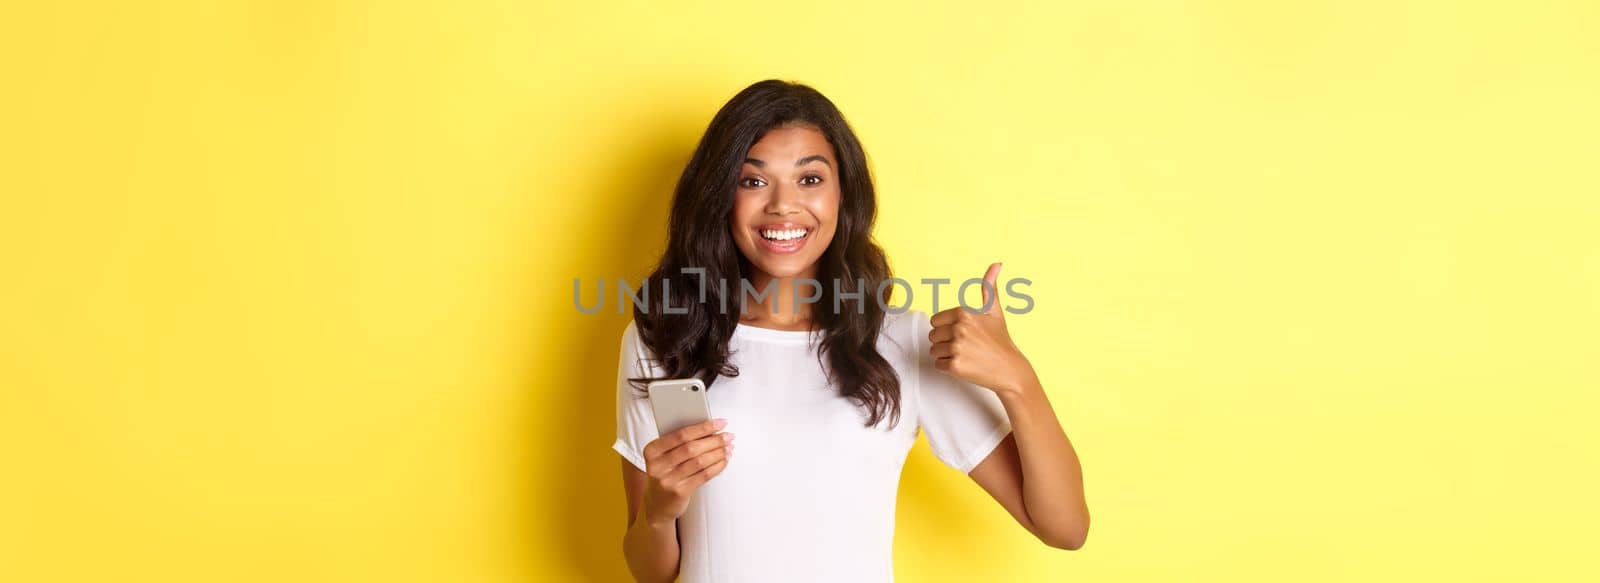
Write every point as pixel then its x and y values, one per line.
pixel 992 298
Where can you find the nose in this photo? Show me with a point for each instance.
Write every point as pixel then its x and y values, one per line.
pixel 784 201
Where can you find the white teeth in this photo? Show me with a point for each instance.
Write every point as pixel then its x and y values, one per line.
pixel 783 234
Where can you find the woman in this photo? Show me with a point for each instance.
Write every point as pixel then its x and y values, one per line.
pixel 826 397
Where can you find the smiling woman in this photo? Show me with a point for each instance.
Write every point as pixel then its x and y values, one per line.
pixel 780 208
pixel 828 395
pixel 778 156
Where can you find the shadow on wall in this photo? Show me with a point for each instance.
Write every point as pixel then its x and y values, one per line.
pixel 581 476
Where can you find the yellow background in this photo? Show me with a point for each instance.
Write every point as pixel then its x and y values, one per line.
pixel 287 286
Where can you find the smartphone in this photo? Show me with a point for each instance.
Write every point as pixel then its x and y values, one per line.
pixel 678 403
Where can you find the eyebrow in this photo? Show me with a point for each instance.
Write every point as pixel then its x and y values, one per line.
pixel 797 163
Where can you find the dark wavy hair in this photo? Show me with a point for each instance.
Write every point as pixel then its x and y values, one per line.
pixel 693 341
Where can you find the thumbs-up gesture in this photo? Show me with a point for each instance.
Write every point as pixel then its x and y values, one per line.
pixel 976 347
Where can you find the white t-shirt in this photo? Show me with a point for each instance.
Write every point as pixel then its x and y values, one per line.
pixel 810 492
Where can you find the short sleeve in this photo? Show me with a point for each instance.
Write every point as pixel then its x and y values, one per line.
pixel 963 421
pixel 636 423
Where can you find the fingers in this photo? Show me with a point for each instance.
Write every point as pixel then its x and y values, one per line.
pixel 992 278
pixel 693 482
pixel 951 317
pixel 665 443
pixel 942 334
pixel 670 460
pixel 680 462
pixel 685 472
pixel 947 317
pixel 700 478
pixel 990 299
pixel 942 350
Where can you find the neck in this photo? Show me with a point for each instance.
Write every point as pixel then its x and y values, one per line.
pixel 781 306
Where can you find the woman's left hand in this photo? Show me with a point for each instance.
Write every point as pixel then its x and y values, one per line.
pixel 976 347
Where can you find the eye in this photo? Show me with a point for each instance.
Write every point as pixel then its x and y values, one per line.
pixel 752 182
pixel 817 180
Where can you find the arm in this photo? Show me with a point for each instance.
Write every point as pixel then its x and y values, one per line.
pixel 651 548
pixel 677 464
pixel 1034 472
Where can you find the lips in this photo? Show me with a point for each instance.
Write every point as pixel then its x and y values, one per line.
pixel 783 238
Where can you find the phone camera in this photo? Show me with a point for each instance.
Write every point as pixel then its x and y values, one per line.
pixel 695 389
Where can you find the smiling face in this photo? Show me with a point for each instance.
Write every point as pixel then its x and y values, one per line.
pixel 786 202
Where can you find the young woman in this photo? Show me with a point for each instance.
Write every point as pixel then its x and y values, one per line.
pixel 826 397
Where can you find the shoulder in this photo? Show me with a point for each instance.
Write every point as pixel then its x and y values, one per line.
pixel 905 332
pixel 630 335
pixel 635 353
pixel 633 342
pixel 906 323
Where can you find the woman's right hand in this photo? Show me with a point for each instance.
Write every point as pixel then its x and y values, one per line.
pixel 678 463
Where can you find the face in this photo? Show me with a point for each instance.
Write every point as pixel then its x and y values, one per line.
pixel 786 202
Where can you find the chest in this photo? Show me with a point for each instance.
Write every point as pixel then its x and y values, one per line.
pixel 782 406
